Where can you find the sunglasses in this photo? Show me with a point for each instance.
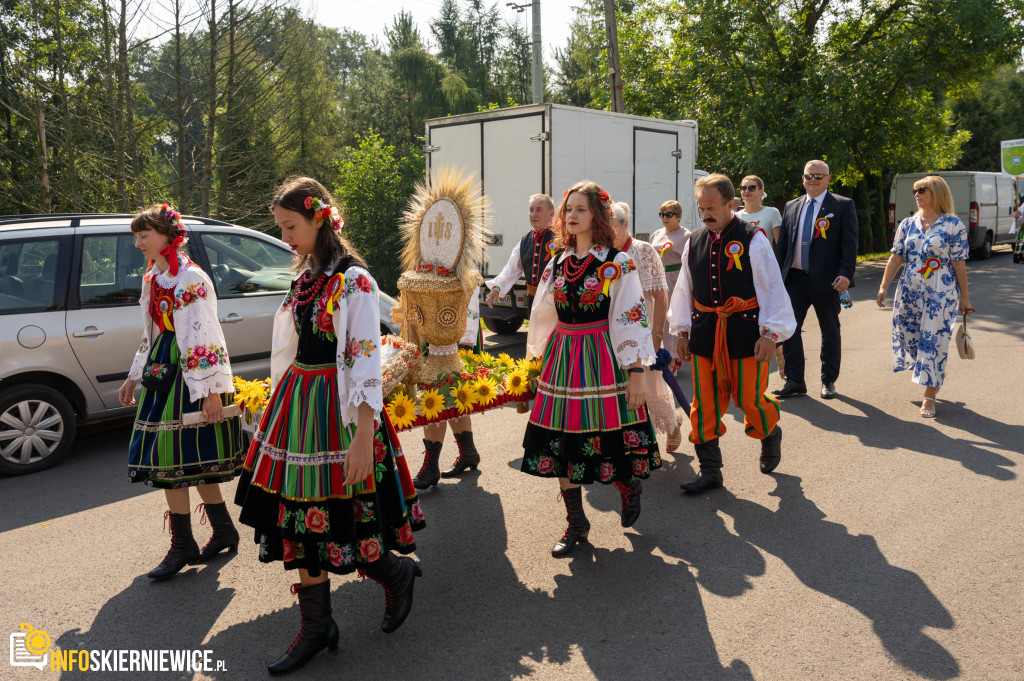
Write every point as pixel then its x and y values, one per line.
pixel 665 215
pixel 749 188
pixel 919 190
pixel 814 176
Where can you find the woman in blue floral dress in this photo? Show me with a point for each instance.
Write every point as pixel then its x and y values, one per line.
pixel 932 291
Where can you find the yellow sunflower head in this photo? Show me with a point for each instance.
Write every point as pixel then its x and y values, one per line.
pixel 465 396
pixel 402 411
pixel 431 404
pixel 507 360
pixel 516 382
pixel 486 390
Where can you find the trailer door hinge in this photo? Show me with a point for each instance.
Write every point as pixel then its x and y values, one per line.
pixel 495 240
pixel 541 137
pixel 678 153
pixel 430 148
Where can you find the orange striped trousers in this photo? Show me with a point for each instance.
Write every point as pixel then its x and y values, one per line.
pixel 749 380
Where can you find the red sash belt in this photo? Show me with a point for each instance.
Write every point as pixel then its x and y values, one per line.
pixel 720 358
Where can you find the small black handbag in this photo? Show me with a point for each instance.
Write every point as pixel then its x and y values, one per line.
pixel 156 376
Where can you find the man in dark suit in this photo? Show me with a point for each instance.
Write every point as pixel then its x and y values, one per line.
pixel 817 253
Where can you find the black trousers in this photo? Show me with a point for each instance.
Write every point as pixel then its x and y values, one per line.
pixel 803 294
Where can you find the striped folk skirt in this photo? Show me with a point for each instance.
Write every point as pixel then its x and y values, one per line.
pixel 580 427
pixel 164 453
pixel 291 488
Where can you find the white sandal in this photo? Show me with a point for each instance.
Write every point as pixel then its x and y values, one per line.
pixel 928 413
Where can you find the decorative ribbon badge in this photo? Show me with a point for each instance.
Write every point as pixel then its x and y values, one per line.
pixel 164 304
pixel 552 247
pixel 821 225
pixel 930 265
pixel 735 250
pixel 608 272
pixel 664 249
pixel 333 291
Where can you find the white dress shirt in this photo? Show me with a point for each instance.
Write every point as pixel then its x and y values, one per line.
pixel 775 312
pixel 510 275
pixel 815 205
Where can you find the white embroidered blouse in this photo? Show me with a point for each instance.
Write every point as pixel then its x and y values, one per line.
pixel 204 360
pixel 357 329
pixel 631 339
pixel 648 263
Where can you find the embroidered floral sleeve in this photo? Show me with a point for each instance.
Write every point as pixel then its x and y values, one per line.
pixel 284 341
pixel 142 354
pixel 628 326
pixel 357 323
pixel 204 356
pixel 543 316
pixel 652 272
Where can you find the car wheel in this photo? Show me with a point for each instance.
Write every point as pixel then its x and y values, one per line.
pixel 985 252
pixel 37 427
pixel 504 327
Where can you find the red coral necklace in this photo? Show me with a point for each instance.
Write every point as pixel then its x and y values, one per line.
pixel 572 271
pixel 307 288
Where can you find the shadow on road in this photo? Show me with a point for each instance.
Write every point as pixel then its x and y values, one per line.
pixel 880 430
pixel 94 474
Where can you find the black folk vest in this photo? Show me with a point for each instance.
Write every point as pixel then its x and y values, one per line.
pixel 534 257
pixel 716 277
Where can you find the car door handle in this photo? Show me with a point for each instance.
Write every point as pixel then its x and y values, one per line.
pixel 231 319
pixel 88 334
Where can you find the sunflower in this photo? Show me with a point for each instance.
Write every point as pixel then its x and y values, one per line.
pixel 507 360
pixel 485 357
pixel 402 411
pixel 465 396
pixel 516 382
pixel 486 390
pixel 431 404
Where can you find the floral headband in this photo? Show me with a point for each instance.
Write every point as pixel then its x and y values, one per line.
pixel 322 210
pixel 602 196
pixel 173 217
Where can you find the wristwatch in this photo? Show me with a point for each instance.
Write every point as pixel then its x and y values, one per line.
pixel 636 370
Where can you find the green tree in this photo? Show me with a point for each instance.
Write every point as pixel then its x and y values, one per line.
pixel 993 112
pixel 376 182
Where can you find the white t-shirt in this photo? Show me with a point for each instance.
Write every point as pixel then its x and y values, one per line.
pixel 767 218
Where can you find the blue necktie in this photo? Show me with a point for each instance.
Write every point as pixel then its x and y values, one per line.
pixel 805 237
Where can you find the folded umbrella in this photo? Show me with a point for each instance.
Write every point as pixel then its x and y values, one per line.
pixel 662 362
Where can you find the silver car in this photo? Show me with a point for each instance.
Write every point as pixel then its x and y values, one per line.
pixel 69 291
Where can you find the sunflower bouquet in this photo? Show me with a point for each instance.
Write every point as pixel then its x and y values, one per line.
pixel 485 382
pixel 252 397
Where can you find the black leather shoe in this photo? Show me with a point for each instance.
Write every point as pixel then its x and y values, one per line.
pixel 790 389
pixel 828 390
pixel 771 451
pixel 707 480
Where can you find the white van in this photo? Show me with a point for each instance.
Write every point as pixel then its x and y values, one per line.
pixel 545 149
pixel 984 202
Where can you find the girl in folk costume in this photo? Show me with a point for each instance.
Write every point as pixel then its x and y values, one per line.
pixel 183 366
pixel 589 322
pixel 660 403
pixel 325 484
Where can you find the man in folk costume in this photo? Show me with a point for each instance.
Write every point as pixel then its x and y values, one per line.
pixel 729 309
pixel 530 256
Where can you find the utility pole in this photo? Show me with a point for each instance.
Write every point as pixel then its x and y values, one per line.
pixel 614 69
pixel 538 59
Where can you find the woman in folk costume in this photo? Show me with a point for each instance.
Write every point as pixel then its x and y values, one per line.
pixel 324 484
pixel 589 322
pixel 660 403
pixel 183 366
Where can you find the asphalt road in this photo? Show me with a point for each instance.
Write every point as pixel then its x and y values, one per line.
pixel 884 547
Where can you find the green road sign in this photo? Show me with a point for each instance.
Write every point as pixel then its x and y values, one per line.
pixel 1013 156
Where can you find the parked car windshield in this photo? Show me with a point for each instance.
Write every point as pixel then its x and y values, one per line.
pixel 244 264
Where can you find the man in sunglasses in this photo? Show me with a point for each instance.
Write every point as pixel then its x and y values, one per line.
pixel 817 252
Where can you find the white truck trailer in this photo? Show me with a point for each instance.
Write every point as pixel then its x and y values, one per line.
pixel 545 149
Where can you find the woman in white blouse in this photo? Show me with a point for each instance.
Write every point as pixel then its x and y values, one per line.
pixel 655 288
pixel 182 363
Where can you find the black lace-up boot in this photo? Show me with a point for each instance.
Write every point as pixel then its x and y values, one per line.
pixel 630 493
pixel 430 471
pixel 578 528
pixel 317 631
pixel 225 536
pixel 468 456
pixel 397 576
pixel 184 549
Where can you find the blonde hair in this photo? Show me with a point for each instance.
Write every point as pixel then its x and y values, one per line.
pixel 673 206
pixel 942 198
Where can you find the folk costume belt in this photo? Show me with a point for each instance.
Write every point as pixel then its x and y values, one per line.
pixel 720 358
pixel 531 290
pixel 582 329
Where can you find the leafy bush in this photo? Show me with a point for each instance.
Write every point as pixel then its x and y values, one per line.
pixel 375 185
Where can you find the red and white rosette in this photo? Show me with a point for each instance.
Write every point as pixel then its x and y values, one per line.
pixel 734 249
pixel 607 273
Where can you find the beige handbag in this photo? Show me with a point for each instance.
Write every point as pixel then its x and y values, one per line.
pixel 964 344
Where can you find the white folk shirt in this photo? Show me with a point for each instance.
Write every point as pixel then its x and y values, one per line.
pixel 775 312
